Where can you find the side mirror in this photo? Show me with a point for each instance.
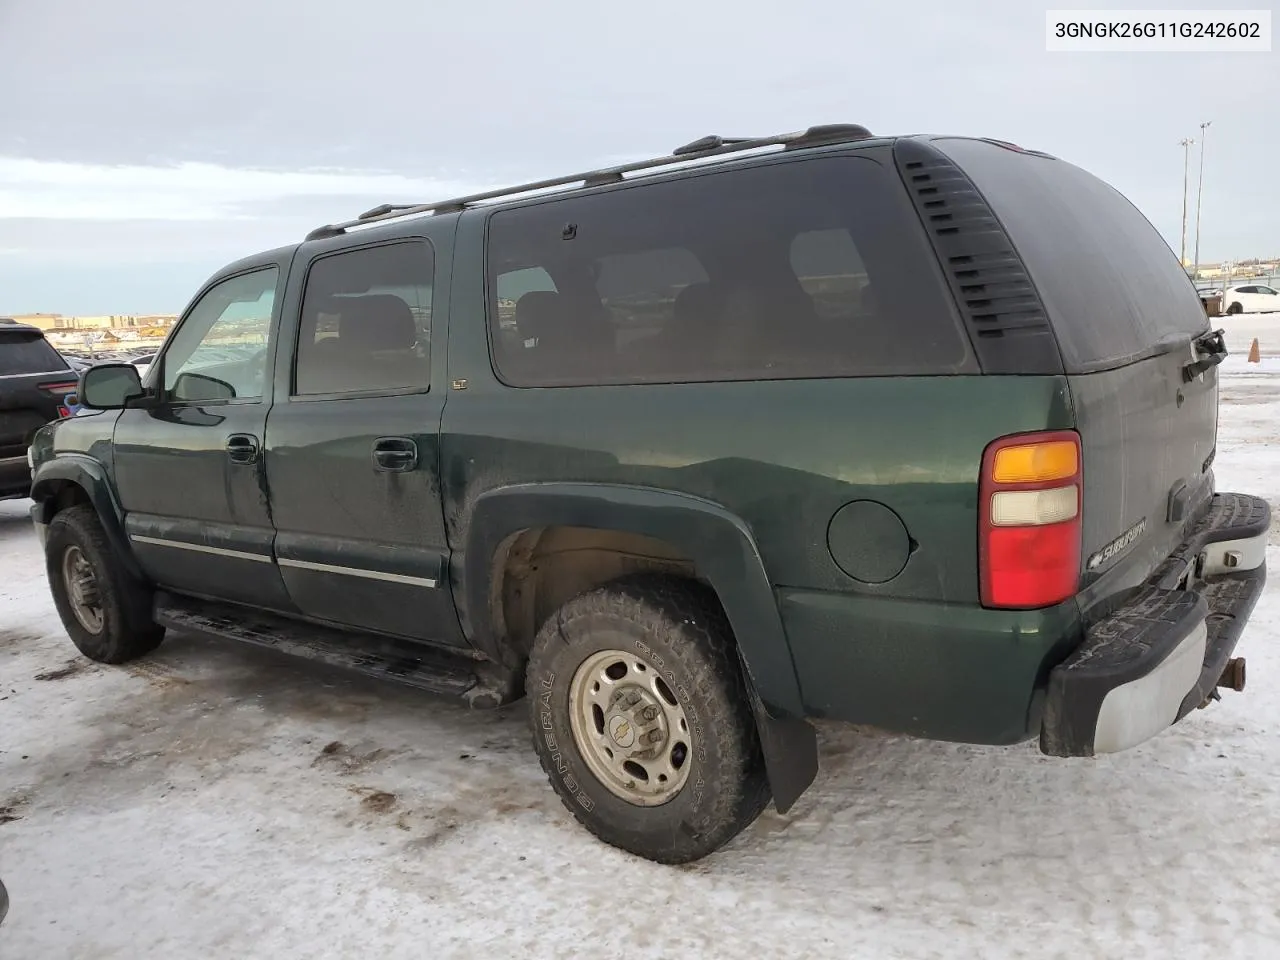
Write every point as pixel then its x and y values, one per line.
pixel 196 386
pixel 109 386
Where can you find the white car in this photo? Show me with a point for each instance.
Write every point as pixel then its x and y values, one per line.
pixel 1252 298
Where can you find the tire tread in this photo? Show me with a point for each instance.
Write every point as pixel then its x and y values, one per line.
pixel 685 617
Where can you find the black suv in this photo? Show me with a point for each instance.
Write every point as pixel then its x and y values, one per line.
pixel 34 382
pixel 914 432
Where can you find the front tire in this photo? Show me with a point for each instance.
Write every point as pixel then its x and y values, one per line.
pixel 106 613
pixel 641 719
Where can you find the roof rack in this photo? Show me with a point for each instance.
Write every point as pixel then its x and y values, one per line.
pixel 709 146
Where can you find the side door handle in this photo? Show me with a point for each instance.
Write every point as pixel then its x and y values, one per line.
pixel 242 448
pixel 394 454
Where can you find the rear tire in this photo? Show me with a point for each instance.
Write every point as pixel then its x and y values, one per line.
pixel 1234 309
pixel 106 612
pixel 662 759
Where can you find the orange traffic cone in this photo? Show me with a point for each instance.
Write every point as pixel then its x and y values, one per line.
pixel 1254 356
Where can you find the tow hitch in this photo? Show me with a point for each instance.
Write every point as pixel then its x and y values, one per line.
pixel 1232 679
pixel 1233 676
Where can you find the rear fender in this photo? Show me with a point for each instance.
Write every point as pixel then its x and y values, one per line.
pixel 725 554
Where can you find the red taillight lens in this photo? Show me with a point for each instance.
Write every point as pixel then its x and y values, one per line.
pixel 1029 515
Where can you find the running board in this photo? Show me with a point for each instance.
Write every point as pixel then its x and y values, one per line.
pixel 479 683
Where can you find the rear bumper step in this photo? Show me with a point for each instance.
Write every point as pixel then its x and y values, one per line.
pixel 1163 653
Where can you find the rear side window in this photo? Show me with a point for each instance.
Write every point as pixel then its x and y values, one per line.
pixel 22 351
pixel 366 322
pixel 1112 287
pixel 802 269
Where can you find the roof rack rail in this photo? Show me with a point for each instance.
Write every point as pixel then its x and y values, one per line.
pixel 709 146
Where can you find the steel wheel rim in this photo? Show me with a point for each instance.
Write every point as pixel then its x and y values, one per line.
pixel 629 727
pixel 81 586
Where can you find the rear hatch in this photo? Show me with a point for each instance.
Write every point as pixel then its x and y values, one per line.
pixel 1126 317
pixel 33 381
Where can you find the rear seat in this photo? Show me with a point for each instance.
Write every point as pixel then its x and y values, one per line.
pixel 374 349
pixel 558 338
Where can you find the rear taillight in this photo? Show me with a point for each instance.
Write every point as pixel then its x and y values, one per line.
pixel 1029 517
pixel 61 389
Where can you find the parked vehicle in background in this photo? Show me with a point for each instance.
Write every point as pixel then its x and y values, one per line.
pixel 1250 298
pixel 34 378
pixel 143 361
pixel 819 425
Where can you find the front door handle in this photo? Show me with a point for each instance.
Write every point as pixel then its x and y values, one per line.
pixel 242 448
pixel 394 454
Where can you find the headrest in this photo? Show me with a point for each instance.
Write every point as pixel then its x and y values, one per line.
pixel 867 299
pixel 377 321
pixel 697 302
pixel 540 314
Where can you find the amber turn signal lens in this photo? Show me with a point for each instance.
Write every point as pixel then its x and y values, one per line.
pixel 1036 462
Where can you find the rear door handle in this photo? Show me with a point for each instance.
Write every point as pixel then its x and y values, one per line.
pixel 394 454
pixel 242 448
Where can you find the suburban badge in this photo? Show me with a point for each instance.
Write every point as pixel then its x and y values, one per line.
pixel 1118 545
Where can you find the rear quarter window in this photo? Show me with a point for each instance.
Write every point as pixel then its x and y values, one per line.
pixel 789 270
pixel 23 352
pixel 1111 286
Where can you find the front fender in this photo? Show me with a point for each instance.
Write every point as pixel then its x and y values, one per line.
pixel 91 477
pixel 724 553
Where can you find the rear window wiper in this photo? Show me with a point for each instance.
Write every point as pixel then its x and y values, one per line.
pixel 1213 346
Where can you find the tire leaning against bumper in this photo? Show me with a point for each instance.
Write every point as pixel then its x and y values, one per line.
pixel 678 627
pixel 128 631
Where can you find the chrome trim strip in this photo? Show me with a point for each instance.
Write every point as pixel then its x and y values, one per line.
pixel 201 548
pixel 354 572
pixel 68 372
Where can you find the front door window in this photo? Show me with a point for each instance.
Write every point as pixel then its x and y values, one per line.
pixel 219 353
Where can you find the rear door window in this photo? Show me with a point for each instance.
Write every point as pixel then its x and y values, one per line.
pixel 366 322
pixel 1112 287
pixel 23 352
pixel 789 270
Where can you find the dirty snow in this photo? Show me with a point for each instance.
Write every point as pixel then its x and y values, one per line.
pixel 217 801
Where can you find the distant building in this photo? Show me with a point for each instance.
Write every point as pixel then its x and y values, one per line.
pixel 45 321
pixel 153 324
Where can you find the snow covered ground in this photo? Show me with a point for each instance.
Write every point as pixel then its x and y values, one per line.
pixel 216 801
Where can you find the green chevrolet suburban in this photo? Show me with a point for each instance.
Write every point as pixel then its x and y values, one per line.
pixel 914 432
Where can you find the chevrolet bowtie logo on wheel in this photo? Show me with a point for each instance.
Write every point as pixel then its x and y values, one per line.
pixel 623 733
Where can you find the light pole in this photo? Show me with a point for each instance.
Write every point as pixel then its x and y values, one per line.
pixel 1186 166
pixel 1199 192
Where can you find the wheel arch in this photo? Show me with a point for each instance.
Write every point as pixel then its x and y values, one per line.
pixel 71 479
pixel 678 532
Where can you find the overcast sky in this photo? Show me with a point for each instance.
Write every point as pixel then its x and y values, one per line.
pixel 143 145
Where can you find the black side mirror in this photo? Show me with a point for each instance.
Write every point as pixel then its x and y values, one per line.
pixel 109 386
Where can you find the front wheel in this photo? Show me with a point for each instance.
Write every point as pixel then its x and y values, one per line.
pixel 641 719
pixel 106 613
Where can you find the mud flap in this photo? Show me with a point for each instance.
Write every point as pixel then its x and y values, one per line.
pixel 790 748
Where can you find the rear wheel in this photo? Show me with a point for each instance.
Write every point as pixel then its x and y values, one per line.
pixel 1234 309
pixel 641 719
pixel 106 613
